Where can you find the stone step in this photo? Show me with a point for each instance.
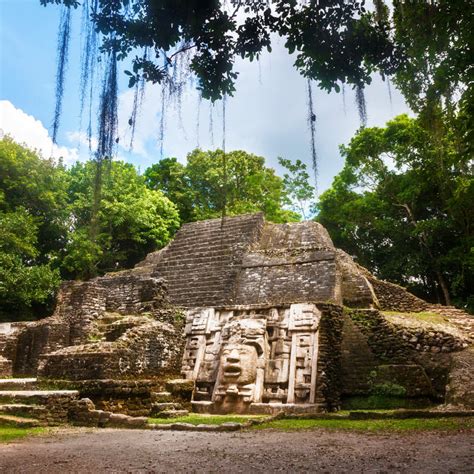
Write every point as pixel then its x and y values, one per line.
pixel 23 410
pixel 19 422
pixel 35 397
pixel 18 384
pixel 158 408
pixel 173 413
pixel 161 397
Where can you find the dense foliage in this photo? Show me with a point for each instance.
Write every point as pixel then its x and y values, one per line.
pixel 202 187
pixel 46 212
pixel 403 205
pixel 131 220
pixel 335 41
pixel 33 224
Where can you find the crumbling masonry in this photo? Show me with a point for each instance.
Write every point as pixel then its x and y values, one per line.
pixel 259 317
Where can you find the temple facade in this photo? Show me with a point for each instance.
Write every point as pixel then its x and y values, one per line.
pixel 258 317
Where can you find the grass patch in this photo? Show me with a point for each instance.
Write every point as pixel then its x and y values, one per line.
pixel 412 424
pixel 384 402
pixel 198 419
pixel 10 433
pixel 426 316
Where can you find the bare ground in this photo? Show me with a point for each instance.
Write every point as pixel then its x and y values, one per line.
pixel 106 450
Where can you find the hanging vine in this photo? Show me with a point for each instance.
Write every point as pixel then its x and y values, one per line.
pixel 361 105
pixel 89 51
pixel 312 129
pixel 161 138
pixel 198 118
pixel 64 36
pixel 108 119
pixel 211 123
pixel 344 107
pixel 389 87
pixel 138 97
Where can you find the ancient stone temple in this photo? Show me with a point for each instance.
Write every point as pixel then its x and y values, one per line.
pixel 257 317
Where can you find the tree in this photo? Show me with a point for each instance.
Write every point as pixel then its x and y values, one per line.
pixel 203 188
pixel 403 206
pixel 298 189
pixel 39 185
pixel 335 41
pixel 132 220
pixel 32 229
pixel 169 176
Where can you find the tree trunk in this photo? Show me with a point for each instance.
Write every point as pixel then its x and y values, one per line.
pixel 444 288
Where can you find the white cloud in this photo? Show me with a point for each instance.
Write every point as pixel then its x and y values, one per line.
pixel 266 116
pixel 28 131
pixel 81 138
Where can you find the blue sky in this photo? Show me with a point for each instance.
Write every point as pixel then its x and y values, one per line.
pixel 267 115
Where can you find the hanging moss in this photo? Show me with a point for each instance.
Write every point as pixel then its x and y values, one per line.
pixel 108 119
pixel 64 36
pixel 211 123
pixel 198 118
pixel 344 108
pixel 389 87
pixel 361 105
pixel 312 129
pixel 161 137
pixel 89 54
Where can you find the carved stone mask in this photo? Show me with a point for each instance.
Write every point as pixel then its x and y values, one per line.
pixel 239 364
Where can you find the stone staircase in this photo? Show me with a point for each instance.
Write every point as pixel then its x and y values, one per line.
pixel 24 404
pixel 201 263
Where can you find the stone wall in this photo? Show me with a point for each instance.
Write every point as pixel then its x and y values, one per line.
pixel 377 352
pixel 5 367
pixel 392 297
pixel 130 397
pixel 290 263
pixel 357 292
pixel 357 360
pixel 81 307
pixel 151 349
pixel 328 381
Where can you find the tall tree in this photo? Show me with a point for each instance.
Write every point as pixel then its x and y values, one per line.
pixel 201 189
pixel 298 190
pixel 403 206
pixel 132 220
pixel 33 228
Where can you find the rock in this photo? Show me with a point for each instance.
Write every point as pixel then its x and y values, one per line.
pixel 180 387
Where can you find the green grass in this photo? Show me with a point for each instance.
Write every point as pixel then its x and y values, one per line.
pixel 412 424
pixel 9 433
pixel 426 316
pixel 198 419
pixel 384 402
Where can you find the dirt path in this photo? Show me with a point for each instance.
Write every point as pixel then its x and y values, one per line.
pixel 92 451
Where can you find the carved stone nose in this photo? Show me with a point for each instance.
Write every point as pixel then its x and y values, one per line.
pixel 234 356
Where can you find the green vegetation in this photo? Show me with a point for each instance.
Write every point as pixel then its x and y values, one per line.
pixel 378 401
pixel 127 222
pixel 54 226
pixel 424 316
pixel 412 424
pixel 403 206
pixel 197 419
pixel 8 433
pixel 204 186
